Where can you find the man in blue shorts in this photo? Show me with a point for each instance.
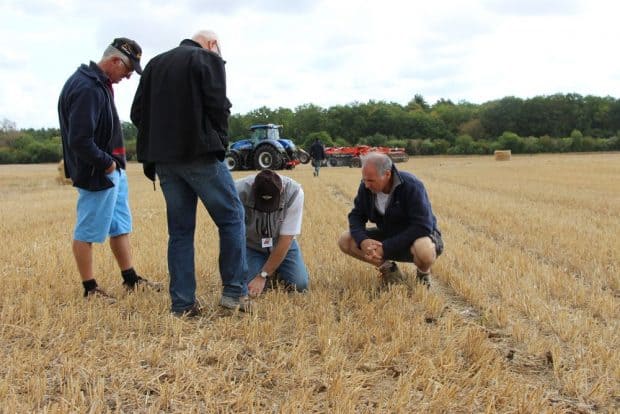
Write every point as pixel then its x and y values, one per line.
pixel 94 159
pixel 406 229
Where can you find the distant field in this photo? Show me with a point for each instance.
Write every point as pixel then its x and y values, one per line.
pixel 523 315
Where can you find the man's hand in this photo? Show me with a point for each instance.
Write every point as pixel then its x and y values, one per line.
pixel 256 286
pixel 111 168
pixel 275 259
pixel 373 251
pixel 379 254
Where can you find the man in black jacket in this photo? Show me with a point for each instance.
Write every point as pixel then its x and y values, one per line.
pixel 94 159
pixel 397 202
pixel 181 112
pixel 317 152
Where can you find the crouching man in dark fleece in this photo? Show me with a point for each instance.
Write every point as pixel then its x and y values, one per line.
pixel 406 229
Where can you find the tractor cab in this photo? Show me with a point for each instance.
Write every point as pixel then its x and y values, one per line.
pixel 265 131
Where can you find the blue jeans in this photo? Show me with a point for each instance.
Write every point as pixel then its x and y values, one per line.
pixel 292 270
pixel 210 181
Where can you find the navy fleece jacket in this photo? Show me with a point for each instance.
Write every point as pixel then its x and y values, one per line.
pixel 408 215
pixel 90 128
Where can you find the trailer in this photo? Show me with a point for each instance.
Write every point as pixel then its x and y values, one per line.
pixel 352 156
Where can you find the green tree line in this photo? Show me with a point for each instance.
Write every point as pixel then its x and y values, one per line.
pixel 553 123
pixel 29 146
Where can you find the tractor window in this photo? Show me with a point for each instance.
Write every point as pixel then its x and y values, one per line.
pixel 273 133
pixel 259 134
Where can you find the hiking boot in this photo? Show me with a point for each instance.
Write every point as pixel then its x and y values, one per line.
pixel 99 293
pixel 143 283
pixel 192 312
pixel 243 303
pixel 390 274
pixel 423 278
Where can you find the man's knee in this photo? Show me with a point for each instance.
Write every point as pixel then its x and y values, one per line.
pixel 423 250
pixel 298 281
pixel 344 242
pixel 301 285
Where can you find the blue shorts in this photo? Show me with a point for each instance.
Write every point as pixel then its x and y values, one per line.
pixel 103 213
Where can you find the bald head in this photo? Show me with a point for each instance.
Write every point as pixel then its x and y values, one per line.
pixel 380 161
pixel 209 40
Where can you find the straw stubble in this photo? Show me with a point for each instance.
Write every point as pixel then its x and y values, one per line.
pixel 522 315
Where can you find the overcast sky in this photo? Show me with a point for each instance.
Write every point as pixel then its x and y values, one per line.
pixel 286 53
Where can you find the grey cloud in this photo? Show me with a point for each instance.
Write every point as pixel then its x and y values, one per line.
pixel 153 36
pixel 225 7
pixel 340 50
pixel 285 84
pixel 378 83
pixel 458 29
pixel 342 40
pixel 39 8
pixel 327 62
pixel 438 48
pixel 435 57
pixel 451 29
pixel 10 63
pixel 432 71
pixel 269 6
pixel 453 89
pixel 140 11
pixel 533 7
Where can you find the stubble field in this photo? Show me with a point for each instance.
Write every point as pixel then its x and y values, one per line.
pixel 523 315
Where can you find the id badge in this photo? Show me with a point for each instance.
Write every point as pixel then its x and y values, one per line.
pixel 267 242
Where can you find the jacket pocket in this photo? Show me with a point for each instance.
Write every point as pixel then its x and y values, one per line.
pixel 99 181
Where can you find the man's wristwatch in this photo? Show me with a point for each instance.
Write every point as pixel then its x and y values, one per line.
pixel 264 274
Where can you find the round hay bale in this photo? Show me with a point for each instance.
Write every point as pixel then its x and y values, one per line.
pixel 502 155
pixel 61 179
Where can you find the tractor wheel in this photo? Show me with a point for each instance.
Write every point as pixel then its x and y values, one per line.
pixel 332 162
pixel 232 162
pixel 303 156
pixel 267 158
pixel 356 162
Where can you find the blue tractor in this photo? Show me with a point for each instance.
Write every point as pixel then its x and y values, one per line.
pixel 265 150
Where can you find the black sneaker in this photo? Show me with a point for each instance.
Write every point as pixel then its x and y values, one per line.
pixel 99 293
pixel 193 311
pixel 144 283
